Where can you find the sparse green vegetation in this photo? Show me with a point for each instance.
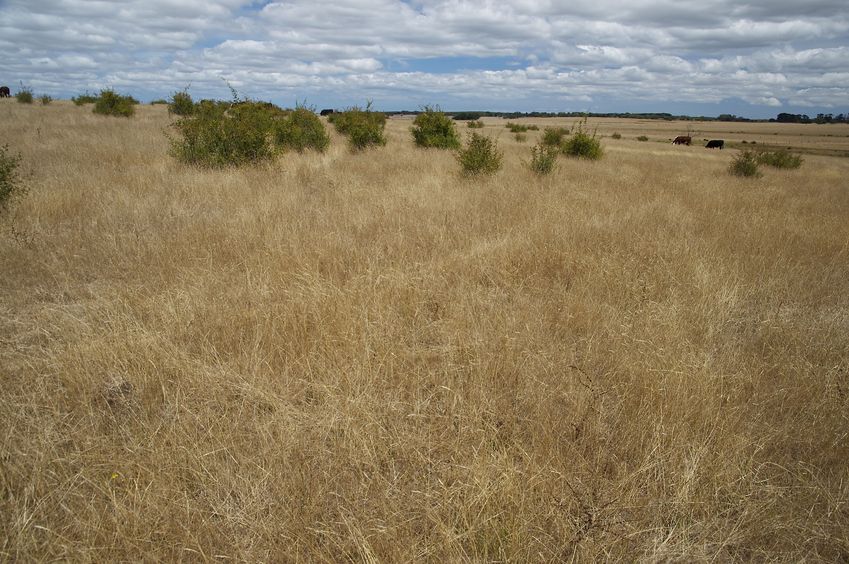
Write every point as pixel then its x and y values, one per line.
pixel 543 159
pixel 181 104
pixel 583 144
pixel 642 138
pixel 45 99
pixel 10 179
pixel 363 127
pixel 781 158
pixel 516 127
pixel 84 99
pixel 159 102
pixel 480 156
pixel 475 125
pixel 745 164
pixel 553 136
pixel 300 129
pixel 520 137
pixel 110 103
pixel 433 129
pixel 24 95
pixel 616 135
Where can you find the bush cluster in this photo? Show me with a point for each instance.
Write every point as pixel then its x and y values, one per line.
pixel 181 104
pixel 463 116
pixel 84 99
pixel 583 144
pixel 433 129
pixel 781 158
pixel 110 103
pixel 299 130
pixel 516 127
pixel 24 95
pixel 642 138
pixel 10 180
pixel 480 156
pixel 159 102
pixel 477 124
pixel 543 159
pixel 553 136
pixel 745 164
pixel 45 99
pixel 363 127
pixel 617 135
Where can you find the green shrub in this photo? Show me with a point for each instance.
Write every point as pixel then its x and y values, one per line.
pixel 24 95
pixel 583 144
pixel 617 135
pixel 84 99
pixel 533 127
pixel 642 138
pixel 181 104
pixel 480 156
pixel 300 130
pixel 220 134
pixel 363 127
pixel 463 116
pixel 553 136
pixel 745 164
pixel 781 158
pixel 45 99
pixel 516 127
pixel 10 180
pixel 433 129
pixel 159 102
pixel 543 159
pixel 520 137
pixel 110 103
pixel 475 125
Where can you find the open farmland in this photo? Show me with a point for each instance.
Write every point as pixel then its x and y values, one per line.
pixel 365 357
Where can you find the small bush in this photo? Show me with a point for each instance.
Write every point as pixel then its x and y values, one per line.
pixel 475 125
pixel 780 159
pixel 45 99
pixel 220 134
pixel 617 135
pixel 516 127
pixel 300 130
pixel 110 103
pixel 583 144
pixel 480 156
pixel 520 137
pixel 543 159
pixel 642 138
pixel 363 127
pixel 181 104
pixel 84 99
pixel 553 136
pixel 10 180
pixel 745 164
pixel 24 95
pixel 533 127
pixel 433 129
pixel 159 102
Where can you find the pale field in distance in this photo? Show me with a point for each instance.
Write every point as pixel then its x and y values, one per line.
pixel 365 357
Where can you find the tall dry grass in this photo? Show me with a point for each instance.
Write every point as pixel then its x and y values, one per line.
pixel 366 357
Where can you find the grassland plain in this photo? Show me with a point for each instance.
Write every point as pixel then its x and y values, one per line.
pixel 365 357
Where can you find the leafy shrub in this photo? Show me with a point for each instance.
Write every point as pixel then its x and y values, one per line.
pixel 181 104
pixel 617 135
pixel 543 159
pixel 516 127
pixel 780 159
pixel 110 103
pixel 642 138
pixel 480 156
pixel 159 102
pixel 220 134
pixel 553 136
pixel 24 95
pixel 301 129
pixel 432 128
pixel 84 99
pixel 583 144
pixel 533 127
pixel 520 137
pixel 45 99
pixel 745 164
pixel 10 180
pixel 363 127
pixel 475 125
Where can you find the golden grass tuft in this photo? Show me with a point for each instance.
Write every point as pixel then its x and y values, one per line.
pixel 368 357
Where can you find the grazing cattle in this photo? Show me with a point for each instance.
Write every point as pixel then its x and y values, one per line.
pixel 715 144
pixel 682 140
pixel 326 112
pixel 5 92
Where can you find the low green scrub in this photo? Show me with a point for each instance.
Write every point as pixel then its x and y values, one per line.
pixel 433 129
pixel 553 136
pixel 463 116
pixel 110 103
pixel 745 164
pixel 300 129
pixel 10 180
pixel 475 124
pixel 159 102
pixel 181 104
pixel 617 135
pixel 516 127
pixel 781 158
pixel 480 156
pixel 363 127
pixel 45 99
pixel 24 95
pixel 642 138
pixel 583 144
pixel 543 159
pixel 520 137
pixel 84 99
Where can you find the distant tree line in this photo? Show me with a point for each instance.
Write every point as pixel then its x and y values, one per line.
pixel 804 118
pixel 782 117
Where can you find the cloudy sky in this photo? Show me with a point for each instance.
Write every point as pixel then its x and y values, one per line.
pixel 699 57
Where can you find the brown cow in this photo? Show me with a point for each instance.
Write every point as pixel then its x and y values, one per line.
pixel 682 140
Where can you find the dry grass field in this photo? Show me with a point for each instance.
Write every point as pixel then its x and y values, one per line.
pixel 365 357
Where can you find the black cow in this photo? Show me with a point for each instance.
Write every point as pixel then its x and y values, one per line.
pixel 326 112
pixel 682 140
pixel 5 92
pixel 715 144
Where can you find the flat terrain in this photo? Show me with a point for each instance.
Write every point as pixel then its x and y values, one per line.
pixel 365 357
